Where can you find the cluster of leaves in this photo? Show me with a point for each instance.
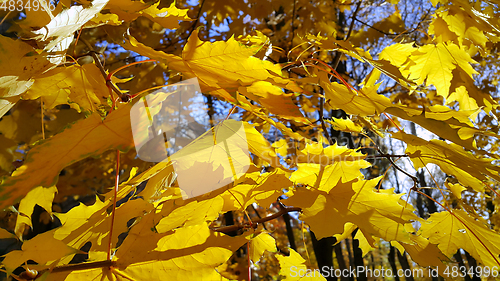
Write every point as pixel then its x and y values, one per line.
pixel 299 74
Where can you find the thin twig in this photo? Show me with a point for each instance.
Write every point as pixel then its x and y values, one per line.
pixel 123 97
pixel 115 189
pixel 4 18
pixel 415 180
pixel 197 18
pixel 41 110
pixel 334 67
pixel 255 223
pixel 323 125
pixel 387 155
pixel 293 27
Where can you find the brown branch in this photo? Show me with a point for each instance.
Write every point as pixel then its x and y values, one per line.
pixel 78 266
pixel 123 97
pixel 387 155
pixel 415 180
pixel 323 125
pixel 254 223
pixel 193 26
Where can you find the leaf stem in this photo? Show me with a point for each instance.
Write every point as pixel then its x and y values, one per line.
pixel 117 179
pixel 108 77
pixel 249 263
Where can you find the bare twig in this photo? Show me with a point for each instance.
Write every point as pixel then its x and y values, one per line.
pixel 415 180
pixel 123 97
pixel 335 64
pixel 323 125
pixel 255 223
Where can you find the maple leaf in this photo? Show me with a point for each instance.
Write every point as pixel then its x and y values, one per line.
pixel 84 224
pixel 40 196
pixel 364 103
pixel 444 122
pixel 131 10
pixel 469 234
pixel 345 125
pixel 166 17
pixel 43 248
pixel 184 254
pixel 375 213
pixel 58 33
pixel 424 253
pixel 471 171
pixel 272 98
pixel 218 66
pixel 448 56
pixel 261 243
pixel 80 86
pixel 293 268
pixel 382 65
pixel 256 187
pixel 323 168
pixel 20 63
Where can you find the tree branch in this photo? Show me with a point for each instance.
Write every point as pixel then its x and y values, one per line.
pixel 254 223
pixel 123 97
pixel 335 64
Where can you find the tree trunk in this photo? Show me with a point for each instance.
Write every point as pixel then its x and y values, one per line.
pixel 392 261
pixel 403 261
pixel 323 249
pixel 358 257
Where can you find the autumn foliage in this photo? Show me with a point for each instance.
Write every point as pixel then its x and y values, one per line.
pixel 371 123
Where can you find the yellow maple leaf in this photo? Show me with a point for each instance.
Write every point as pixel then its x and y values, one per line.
pixel 379 214
pixel 293 268
pixel 470 170
pixel 345 125
pixel 19 63
pixel 423 252
pixel 262 189
pixel 82 87
pixel 444 122
pixel 460 231
pixel 323 168
pixel 166 17
pixel 219 66
pixel 365 102
pixel 43 248
pixel 40 196
pixel 261 243
pixel 84 224
pixel 434 63
pixel 129 10
pixel 274 99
